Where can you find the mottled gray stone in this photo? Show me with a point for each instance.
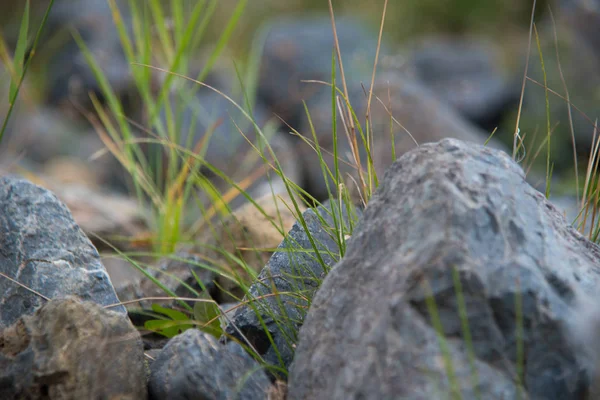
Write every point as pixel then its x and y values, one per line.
pixel 194 365
pixel 293 269
pixel 42 248
pixel 445 211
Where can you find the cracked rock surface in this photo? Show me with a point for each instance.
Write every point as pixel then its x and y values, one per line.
pixel 451 218
pixel 42 248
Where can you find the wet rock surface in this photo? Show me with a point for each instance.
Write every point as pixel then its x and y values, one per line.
pixel 450 213
pixel 42 248
pixel 195 365
pixel 70 349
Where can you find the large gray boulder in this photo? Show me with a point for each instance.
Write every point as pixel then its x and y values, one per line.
pixel 44 252
pixel 277 301
pixel 447 213
pixel 194 365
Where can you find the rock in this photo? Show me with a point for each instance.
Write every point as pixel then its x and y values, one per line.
pixel 42 248
pixel 70 349
pixel 451 212
pixel 466 73
pixel 419 118
pixel 251 236
pixel 195 365
pixel 102 216
pixel 69 74
pixel 300 48
pixel 247 234
pixel 295 269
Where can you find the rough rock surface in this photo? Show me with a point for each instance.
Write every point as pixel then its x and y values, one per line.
pixel 194 365
pixel 42 248
pixel 287 272
pixel 70 349
pixel 451 212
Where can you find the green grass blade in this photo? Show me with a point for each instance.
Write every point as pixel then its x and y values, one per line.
pixel 18 61
pixel 25 67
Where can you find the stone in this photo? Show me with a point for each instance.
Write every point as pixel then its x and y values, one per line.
pixel 69 74
pixel 194 365
pixel 418 118
pixel 43 252
pixel 69 349
pixel 446 213
pixel 300 48
pixel 286 284
pixel 466 73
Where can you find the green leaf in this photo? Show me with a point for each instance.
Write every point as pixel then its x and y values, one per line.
pixel 19 59
pixel 205 311
pixel 173 314
pixel 166 328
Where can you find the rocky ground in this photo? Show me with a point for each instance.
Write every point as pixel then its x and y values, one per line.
pixel 457 279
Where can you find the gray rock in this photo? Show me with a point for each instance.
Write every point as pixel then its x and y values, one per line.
pixel 42 248
pixel 447 212
pixel 466 74
pixel 300 48
pixel 70 349
pixel 294 269
pixel 194 365
pixel 420 117
pixel 69 74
